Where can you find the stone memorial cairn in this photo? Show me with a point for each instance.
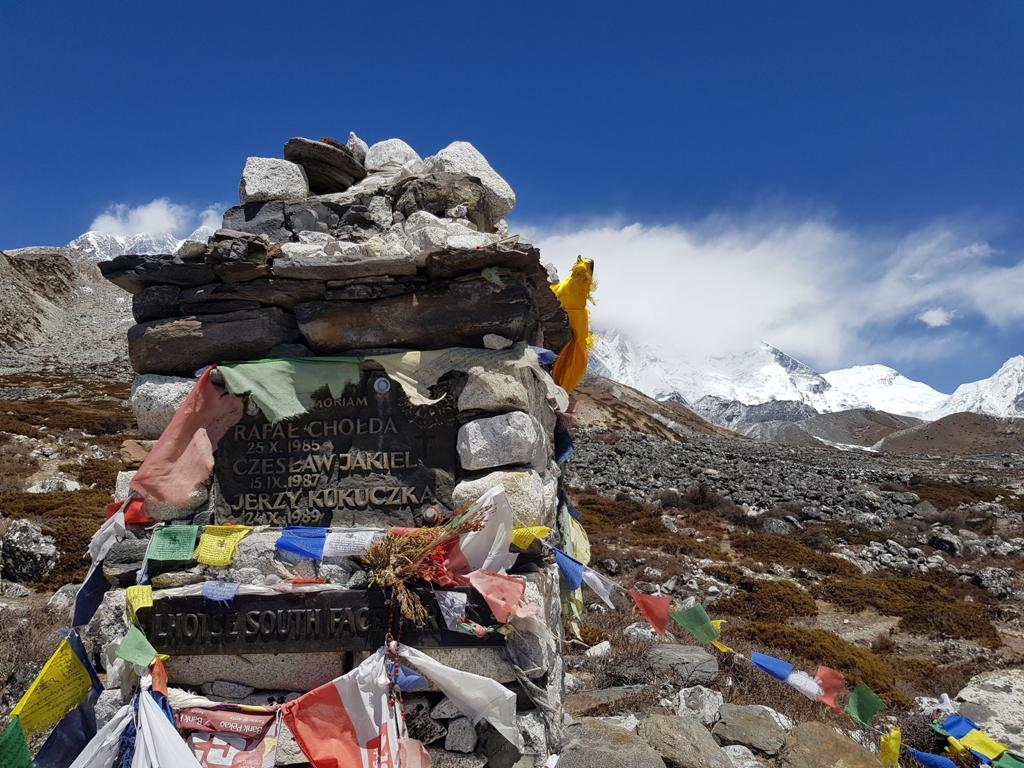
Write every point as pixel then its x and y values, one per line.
pixel 367 253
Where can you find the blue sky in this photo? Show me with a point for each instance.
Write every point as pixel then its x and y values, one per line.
pixel 728 132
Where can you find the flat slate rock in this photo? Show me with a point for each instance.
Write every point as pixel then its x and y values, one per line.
pixel 749 726
pixel 816 745
pixel 683 742
pixel 329 167
pixel 597 743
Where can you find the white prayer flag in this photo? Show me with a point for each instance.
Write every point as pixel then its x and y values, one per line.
pixel 349 542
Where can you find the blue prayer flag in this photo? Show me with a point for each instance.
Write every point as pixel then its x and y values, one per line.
pixel 544 356
pixel 303 541
pixel 408 680
pixel 89 596
pixel 221 591
pixel 774 667
pixel 572 570
pixel 958 726
pixel 930 760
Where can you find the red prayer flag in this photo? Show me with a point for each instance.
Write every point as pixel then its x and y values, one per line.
pixel 502 593
pixel 655 609
pixel 133 512
pixel 831 682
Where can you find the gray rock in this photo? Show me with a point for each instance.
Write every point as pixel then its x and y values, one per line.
pixel 699 702
pixel 421 725
pixel 224 689
pixel 268 178
pixel 441 758
pixel 26 553
pixel 282 671
pixel 500 753
pixel 357 147
pixel 996 581
pixel 461 735
pixel 816 745
pixel 62 600
pixel 134 273
pixel 379 211
pixel 156 301
pixel 532 496
pixel 437 193
pixel 994 700
pixel 749 726
pixel 946 542
pixel 108 703
pixel 682 742
pixel 258 219
pixel 108 625
pixel 154 401
pixel 11 589
pixel 445 710
pixel 389 154
pixel 182 345
pixel 57 482
pixel 461 157
pixel 166 511
pixel 496 441
pixel 683 665
pixel 600 744
pixel 122 484
pixel 330 167
pixel 742 757
pixel 340 260
pixel 494 391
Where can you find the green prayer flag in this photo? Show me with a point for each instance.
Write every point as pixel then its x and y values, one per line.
pixel 13 749
pixel 284 389
pixel 696 621
pixel 863 704
pixel 136 649
pixel 173 542
pixel 1008 760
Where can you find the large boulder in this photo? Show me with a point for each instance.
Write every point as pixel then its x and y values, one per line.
pixel 596 743
pixel 387 154
pixel 266 219
pixel 497 441
pixel 329 166
pixel 816 745
pixel 134 273
pixel 182 345
pixel 357 147
pixel 155 399
pixel 269 178
pixel 340 260
pixel 26 553
pixel 682 665
pixel 995 700
pixel 682 742
pixel 750 726
pixel 533 496
pixel 438 193
pixel 461 157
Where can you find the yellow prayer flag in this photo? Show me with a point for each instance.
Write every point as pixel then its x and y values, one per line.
pixel 62 684
pixel 983 744
pixel 890 748
pixel 573 293
pixel 140 596
pixel 522 538
pixel 717 624
pixel 218 544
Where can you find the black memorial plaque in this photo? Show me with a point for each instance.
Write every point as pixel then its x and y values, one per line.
pixel 323 620
pixel 368 451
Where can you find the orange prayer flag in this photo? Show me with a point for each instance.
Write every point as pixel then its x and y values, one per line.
pixel 831 682
pixel 655 609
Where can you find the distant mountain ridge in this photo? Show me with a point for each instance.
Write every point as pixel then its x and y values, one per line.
pixel 102 246
pixel 722 388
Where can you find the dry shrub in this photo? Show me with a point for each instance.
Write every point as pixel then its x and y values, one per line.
pixel 95 416
pixel 773 548
pixel 924 608
pixel 951 495
pixel 16 464
pixel 762 599
pixel 94 473
pixel 27 640
pixel 728 574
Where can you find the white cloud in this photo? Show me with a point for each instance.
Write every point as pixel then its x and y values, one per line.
pixel 936 317
pixel 831 295
pixel 160 216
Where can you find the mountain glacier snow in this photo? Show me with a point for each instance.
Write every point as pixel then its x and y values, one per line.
pixel 104 245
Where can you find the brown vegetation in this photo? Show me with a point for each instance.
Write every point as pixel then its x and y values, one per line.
pixel 773 548
pixel 761 599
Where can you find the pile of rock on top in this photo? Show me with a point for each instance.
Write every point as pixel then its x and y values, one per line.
pixel 339 248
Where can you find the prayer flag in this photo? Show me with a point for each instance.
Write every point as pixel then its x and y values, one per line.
pixel 138 597
pixel 406 679
pixel 654 609
pixel 831 682
pixel 157 743
pixel 77 727
pixel 62 684
pixel 1010 760
pixel 13 748
pixel 696 621
pixel 135 648
pixel 863 704
pixel 488 547
pixel 182 458
pixel 889 748
pixel 284 388
pixel 958 726
pixel 929 760
pixel 221 591
pixel 522 538
pixel 172 542
pixel 89 596
pixel 103 748
pixel 350 542
pixel 981 743
pixel 601 584
pixel 573 293
pixel 219 543
pixel 503 594
pixel 570 568
pixel 805 684
pixel 303 541
pixel 777 668
pixel 228 737
pixel 717 624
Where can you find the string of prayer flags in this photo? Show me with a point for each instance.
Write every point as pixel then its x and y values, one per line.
pixel 929 760
pixel 863 704
pixel 220 591
pixel 135 648
pixel 173 542
pixel 831 682
pixel 777 668
pixel 62 684
pixel 696 621
pixel 980 743
pixel 13 747
pixel 137 597
pixel 570 568
pixel 601 584
pixel 350 542
pixel 522 538
pixel 889 748
pixel 654 608
pixel 219 543
pixel 303 541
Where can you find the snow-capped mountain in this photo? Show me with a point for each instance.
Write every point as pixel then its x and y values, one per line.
pixel 104 245
pixel 1001 394
pixel 886 389
pixel 766 374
